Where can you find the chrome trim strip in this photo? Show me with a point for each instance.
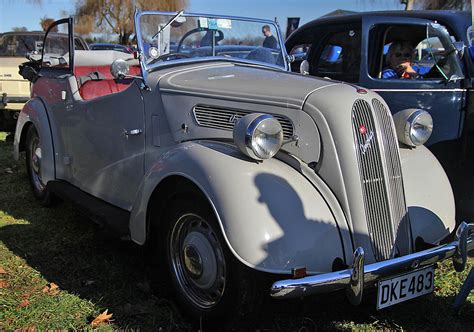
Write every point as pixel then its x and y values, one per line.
pixel 419 90
pixel 333 281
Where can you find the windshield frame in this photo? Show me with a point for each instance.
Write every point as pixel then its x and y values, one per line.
pixel 148 68
pixel 450 49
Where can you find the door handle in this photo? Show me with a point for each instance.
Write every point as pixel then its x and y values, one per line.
pixel 132 132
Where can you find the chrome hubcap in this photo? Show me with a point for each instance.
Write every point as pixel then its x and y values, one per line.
pixel 192 261
pixel 35 162
pixel 197 261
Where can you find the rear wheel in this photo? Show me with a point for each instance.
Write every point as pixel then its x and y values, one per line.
pixel 34 158
pixel 209 282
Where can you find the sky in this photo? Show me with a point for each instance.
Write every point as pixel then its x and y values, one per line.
pixel 19 13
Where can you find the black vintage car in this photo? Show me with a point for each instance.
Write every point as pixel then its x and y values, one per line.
pixel 353 48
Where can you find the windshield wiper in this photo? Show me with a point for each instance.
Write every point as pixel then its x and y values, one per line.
pixel 174 18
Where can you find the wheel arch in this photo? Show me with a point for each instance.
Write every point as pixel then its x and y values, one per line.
pixel 24 132
pixel 272 218
pixel 34 114
pixel 169 188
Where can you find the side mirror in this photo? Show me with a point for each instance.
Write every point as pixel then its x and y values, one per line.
pixel 460 47
pixel 119 68
pixel 304 67
pixel 29 71
pixel 290 58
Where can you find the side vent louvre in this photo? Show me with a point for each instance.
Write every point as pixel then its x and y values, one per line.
pixel 226 118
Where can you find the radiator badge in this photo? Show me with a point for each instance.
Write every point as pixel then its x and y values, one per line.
pixel 368 142
pixel 233 119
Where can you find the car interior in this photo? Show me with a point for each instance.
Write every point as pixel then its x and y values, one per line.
pixel 92 72
pixel 426 51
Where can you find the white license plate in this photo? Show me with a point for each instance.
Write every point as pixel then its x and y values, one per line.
pixel 405 287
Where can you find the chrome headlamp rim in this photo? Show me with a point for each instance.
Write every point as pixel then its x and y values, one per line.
pixel 415 119
pixel 244 134
pixel 405 124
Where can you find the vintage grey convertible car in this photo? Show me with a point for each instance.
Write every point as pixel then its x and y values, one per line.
pixel 237 171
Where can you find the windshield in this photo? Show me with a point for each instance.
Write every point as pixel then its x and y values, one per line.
pixel 18 45
pixel 164 37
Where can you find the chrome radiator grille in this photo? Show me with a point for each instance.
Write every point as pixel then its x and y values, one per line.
pixel 381 176
pixel 226 118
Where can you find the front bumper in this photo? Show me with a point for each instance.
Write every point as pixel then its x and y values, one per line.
pixel 359 276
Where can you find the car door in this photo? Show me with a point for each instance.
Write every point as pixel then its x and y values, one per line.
pixel 443 97
pixel 107 145
pixel 99 140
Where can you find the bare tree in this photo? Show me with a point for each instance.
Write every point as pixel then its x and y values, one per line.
pixel 437 4
pixel 19 29
pixel 45 22
pixel 116 16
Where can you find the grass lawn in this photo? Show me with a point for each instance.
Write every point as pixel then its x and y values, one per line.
pixel 60 271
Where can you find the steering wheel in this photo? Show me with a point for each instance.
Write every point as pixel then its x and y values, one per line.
pixel 195 30
pixel 169 56
pixel 190 32
pixel 435 71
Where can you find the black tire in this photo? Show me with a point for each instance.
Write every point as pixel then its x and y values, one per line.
pixel 33 166
pixel 220 290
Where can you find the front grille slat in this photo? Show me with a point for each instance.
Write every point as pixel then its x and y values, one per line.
pixel 225 119
pixel 397 195
pixel 380 171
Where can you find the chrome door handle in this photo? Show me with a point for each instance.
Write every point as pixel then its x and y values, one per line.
pixel 132 132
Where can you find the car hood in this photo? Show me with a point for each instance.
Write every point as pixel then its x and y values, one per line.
pixel 9 68
pixel 242 82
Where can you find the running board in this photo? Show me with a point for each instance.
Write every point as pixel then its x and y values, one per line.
pixel 99 211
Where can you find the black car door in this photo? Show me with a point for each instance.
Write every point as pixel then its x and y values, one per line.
pixel 438 88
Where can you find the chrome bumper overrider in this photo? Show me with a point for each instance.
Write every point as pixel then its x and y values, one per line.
pixel 359 275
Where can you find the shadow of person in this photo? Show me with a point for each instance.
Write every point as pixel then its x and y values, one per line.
pixel 307 229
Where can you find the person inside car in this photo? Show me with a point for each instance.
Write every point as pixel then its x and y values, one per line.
pixel 399 62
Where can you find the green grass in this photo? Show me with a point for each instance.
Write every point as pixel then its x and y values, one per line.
pixel 94 272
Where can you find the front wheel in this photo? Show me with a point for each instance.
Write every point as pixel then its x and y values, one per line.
pixel 208 280
pixel 34 162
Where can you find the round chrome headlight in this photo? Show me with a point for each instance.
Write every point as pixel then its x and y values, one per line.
pixel 258 136
pixel 414 126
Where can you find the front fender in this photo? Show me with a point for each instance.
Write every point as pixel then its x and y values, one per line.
pixel 428 193
pixel 34 113
pixel 272 218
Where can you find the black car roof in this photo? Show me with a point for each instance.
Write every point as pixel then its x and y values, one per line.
pixel 442 15
pixel 455 20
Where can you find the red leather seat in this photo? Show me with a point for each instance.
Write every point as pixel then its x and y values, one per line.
pixel 97 88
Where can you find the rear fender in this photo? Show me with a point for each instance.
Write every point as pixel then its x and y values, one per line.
pixel 272 218
pixel 34 113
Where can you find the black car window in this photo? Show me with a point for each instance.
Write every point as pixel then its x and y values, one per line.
pixel 419 52
pixel 339 56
